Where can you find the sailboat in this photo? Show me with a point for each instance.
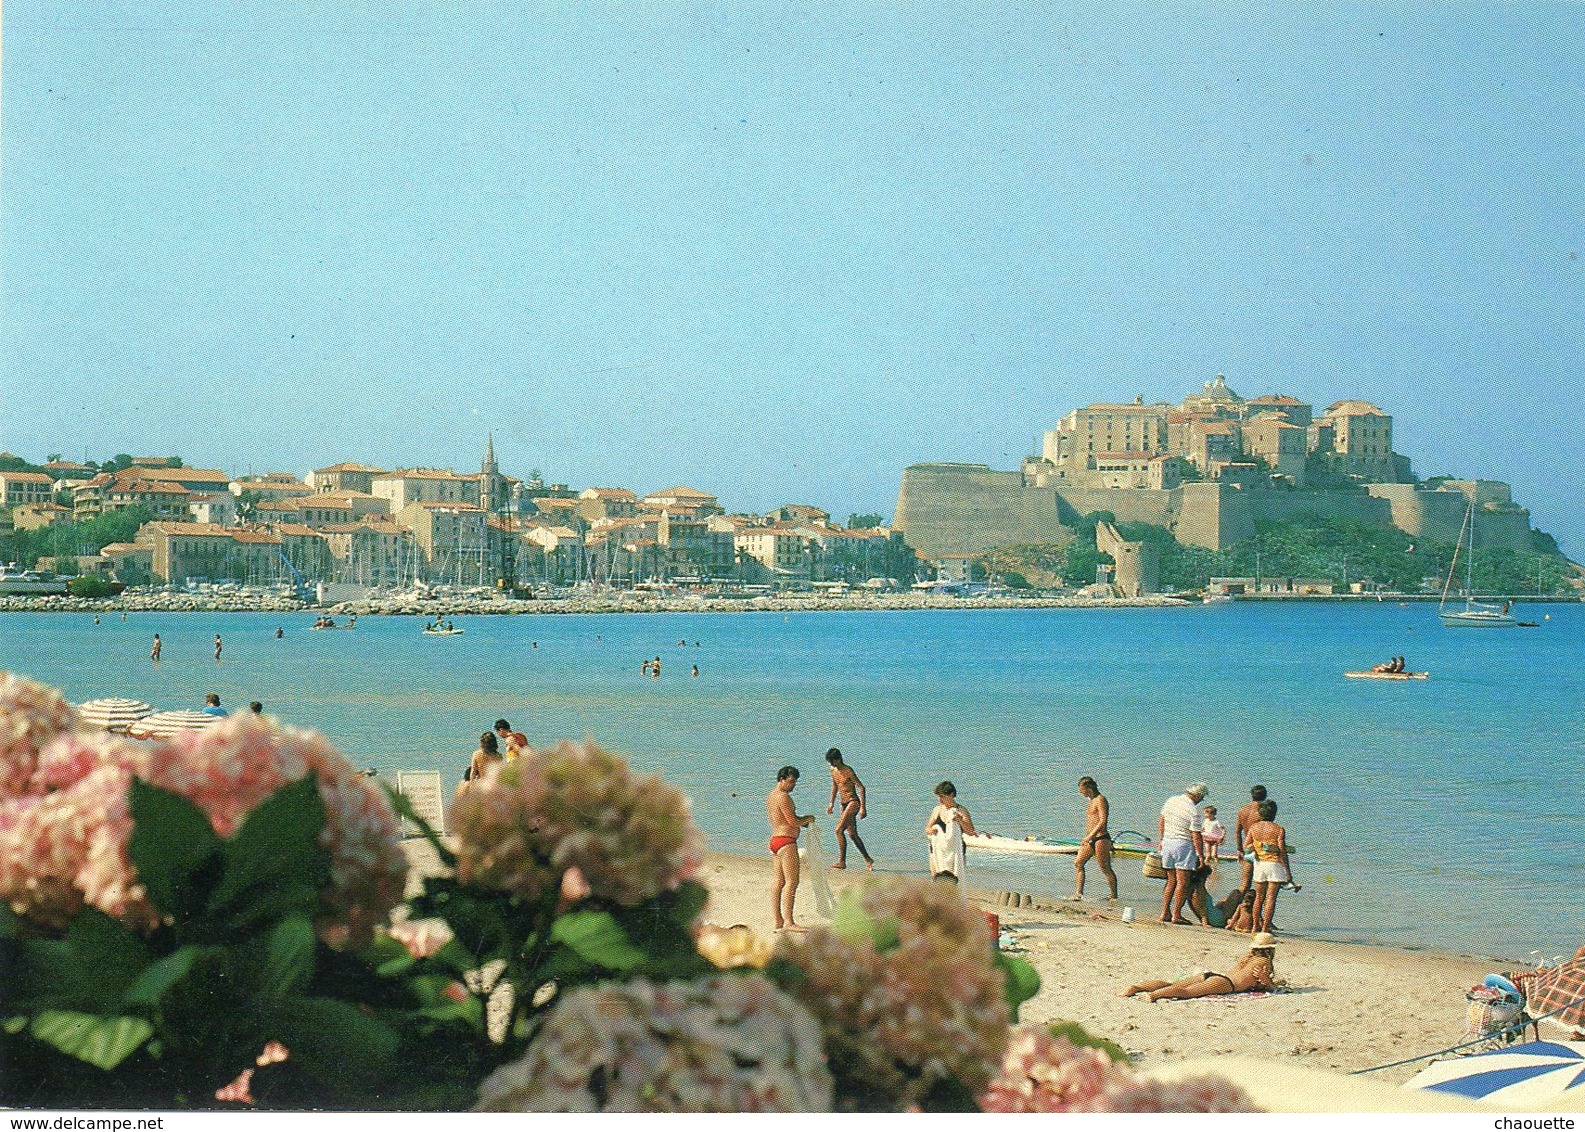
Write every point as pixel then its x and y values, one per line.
pixel 1474 615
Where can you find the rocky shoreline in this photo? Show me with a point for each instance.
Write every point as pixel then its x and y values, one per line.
pixel 459 607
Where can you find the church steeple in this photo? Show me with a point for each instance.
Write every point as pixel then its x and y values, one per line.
pixel 489 477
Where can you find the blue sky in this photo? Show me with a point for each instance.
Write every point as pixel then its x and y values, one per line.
pixel 779 254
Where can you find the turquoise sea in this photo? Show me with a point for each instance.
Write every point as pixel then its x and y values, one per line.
pixel 1443 813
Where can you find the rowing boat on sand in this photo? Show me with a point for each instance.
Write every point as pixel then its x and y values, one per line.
pixel 990 842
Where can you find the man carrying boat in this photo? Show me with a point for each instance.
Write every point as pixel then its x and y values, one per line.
pixel 1097 840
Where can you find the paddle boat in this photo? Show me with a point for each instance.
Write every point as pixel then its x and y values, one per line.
pixel 1388 675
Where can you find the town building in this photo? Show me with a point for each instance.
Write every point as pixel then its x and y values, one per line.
pixel 344 477
pixel 18 488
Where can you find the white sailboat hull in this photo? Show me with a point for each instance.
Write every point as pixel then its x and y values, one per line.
pixel 1478 619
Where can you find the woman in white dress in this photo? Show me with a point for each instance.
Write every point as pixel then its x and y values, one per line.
pixel 945 828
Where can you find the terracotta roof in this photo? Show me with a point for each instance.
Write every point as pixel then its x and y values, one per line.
pixel 423 474
pixel 256 537
pixel 1353 409
pixel 608 493
pixel 350 468
pixel 1277 399
pixel 178 475
pixel 679 493
pixel 1153 410
pixel 26 477
pixel 176 527
pixel 149 487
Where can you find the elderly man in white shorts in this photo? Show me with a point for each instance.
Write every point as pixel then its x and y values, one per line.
pixel 1178 832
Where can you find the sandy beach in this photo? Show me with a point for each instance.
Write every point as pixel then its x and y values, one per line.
pixel 1345 1006
pixel 1342 1007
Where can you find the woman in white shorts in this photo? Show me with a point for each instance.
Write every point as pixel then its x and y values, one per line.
pixel 1269 842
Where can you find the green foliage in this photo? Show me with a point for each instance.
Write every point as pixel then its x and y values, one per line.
pixel 72 538
pixel 105 1017
pixel 89 585
pixel 1309 546
pixel 1022 981
pixel 865 522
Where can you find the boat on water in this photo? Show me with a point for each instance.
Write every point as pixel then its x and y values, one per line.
pixel 432 632
pixel 991 843
pixel 26 583
pixel 1388 675
pixel 1475 614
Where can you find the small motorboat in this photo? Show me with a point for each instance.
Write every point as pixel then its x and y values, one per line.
pixel 1388 675
pixel 430 630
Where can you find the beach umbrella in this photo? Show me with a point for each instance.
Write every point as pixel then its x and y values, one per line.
pixel 113 714
pixel 1520 1076
pixel 163 723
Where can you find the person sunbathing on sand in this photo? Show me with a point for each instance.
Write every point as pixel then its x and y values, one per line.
pixel 1255 971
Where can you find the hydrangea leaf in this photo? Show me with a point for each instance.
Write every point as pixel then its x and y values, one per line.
pixel 275 866
pixel 335 1041
pixel 683 905
pixel 598 939
pixel 107 956
pixel 289 960
pixel 1023 981
pixel 171 845
pixel 850 920
pixel 160 976
pixel 100 1041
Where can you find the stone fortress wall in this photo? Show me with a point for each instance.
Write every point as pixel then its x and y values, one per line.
pixel 967 509
pixel 1208 470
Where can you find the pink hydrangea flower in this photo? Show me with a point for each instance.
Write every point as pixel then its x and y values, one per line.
pixel 30 715
pixel 724 1043
pixel 228 768
pixel 1043 1073
pixel 523 827
pixel 64 833
pixel 904 1019
pixel 66 847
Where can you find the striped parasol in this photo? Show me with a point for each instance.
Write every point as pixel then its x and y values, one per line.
pixel 163 723
pixel 113 714
pixel 1522 1076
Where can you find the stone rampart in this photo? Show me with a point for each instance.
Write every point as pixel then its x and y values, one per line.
pixel 1437 516
pixel 966 509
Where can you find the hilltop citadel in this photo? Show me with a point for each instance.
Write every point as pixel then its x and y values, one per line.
pixel 1207 470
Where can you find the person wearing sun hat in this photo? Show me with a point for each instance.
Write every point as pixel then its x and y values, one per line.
pixel 1255 971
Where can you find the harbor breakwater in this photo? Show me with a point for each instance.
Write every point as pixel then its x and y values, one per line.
pixel 493 605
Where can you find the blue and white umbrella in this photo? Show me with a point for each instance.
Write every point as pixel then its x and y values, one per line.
pixel 1531 1074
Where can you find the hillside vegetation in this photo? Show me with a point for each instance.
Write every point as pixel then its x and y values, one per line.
pixel 1310 547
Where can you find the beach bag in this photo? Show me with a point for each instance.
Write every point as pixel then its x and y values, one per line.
pixel 1491 1012
pixel 1152 867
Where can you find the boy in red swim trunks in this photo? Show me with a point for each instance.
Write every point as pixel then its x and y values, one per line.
pixel 785 825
